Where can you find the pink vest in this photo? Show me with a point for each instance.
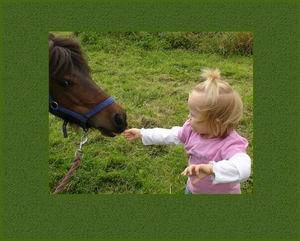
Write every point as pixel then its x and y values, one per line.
pixel 201 150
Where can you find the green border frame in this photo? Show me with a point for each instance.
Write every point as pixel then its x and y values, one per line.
pixel 29 212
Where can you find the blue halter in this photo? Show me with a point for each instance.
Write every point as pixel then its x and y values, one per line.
pixel 81 118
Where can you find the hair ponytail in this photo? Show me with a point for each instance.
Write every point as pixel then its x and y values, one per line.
pixel 211 84
pixel 211 75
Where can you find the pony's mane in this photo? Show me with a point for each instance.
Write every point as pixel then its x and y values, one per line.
pixel 64 54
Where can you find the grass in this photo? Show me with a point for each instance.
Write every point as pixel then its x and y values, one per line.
pixel 150 78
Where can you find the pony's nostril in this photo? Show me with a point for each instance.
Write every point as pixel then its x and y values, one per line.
pixel 121 123
pixel 119 120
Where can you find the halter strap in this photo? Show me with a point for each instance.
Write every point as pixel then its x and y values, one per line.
pixel 57 109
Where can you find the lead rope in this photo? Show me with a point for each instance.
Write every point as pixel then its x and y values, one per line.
pixel 76 162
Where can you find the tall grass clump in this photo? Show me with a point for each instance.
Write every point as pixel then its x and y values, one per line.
pixel 150 75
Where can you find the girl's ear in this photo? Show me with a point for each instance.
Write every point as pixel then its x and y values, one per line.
pixel 218 125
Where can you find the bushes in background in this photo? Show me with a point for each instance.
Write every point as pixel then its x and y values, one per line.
pixel 223 43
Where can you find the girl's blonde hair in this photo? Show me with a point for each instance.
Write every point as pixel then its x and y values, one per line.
pixel 222 106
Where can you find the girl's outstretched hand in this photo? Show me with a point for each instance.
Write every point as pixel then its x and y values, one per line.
pixel 201 170
pixel 132 134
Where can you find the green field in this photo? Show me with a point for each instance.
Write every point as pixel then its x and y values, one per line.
pixel 150 75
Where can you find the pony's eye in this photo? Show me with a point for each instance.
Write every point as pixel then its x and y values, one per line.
pixel 65 83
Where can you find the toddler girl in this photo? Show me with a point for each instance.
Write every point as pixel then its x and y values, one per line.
pixel 217 153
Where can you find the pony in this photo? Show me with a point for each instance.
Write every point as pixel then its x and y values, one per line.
pixel 73 94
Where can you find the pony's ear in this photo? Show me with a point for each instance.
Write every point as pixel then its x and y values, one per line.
pixel 51 37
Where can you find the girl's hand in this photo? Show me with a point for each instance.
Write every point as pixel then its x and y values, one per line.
pixel 201 171
pixel 133 134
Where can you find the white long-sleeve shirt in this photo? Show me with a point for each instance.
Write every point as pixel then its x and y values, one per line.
pixel 230 162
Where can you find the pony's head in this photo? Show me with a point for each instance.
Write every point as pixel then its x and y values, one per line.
pixel 72 88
